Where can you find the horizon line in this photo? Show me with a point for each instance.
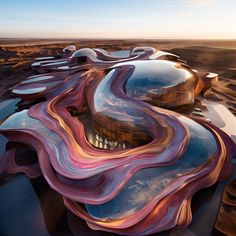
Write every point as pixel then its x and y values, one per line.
pixel 99 38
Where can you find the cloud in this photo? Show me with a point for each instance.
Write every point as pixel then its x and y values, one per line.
pixel 199 3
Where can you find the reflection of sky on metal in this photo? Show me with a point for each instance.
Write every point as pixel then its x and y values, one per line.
pixel 29 91
pixel 147 183
pixel 121 53
pixel 156 74
pixel 118 19
pixel 40 78
pixel 152 182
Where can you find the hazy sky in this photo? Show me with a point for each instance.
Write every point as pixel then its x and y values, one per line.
pixel 118 18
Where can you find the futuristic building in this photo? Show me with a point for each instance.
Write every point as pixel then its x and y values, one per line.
pixel 66 53
pixel 87 56
pixel 108 142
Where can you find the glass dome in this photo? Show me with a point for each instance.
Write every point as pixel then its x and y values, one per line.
pixel 69 48
pixel 85 52
pixel 162 83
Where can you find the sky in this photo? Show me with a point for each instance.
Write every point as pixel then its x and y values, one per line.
pixel 144 19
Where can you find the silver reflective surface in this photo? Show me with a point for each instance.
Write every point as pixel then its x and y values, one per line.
pixel 85 52
pixel 148 183
pixel 29 91
pixel 38 78
pixel 120 53
pixel 155 75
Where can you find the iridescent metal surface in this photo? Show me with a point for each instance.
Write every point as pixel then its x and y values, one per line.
pixel 104 141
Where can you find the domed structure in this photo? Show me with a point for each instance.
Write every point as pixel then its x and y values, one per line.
pixel 70 48
pixel 85 54
pixel 162 83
